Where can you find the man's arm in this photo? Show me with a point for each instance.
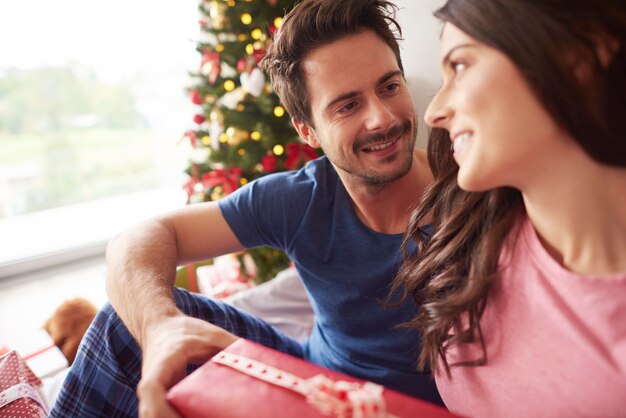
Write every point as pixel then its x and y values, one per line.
pixel 141 262
pixel 141 269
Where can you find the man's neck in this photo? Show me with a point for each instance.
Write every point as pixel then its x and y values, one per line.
pixel 387 209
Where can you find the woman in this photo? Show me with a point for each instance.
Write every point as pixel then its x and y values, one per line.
pixel 522 287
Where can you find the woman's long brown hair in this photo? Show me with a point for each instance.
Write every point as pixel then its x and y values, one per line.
pixel 451 273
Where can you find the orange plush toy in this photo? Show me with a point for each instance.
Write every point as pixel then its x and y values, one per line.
pixel 68 325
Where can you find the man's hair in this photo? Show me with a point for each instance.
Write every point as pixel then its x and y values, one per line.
pixel 547 40
pixel 314 23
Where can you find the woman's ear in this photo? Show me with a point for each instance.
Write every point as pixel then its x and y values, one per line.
pixel 307 133
pixel 605 49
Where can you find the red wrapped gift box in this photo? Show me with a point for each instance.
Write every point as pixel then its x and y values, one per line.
pixel 250 380
pixel 20 389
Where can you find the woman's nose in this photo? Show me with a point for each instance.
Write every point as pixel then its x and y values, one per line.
pixel 438 113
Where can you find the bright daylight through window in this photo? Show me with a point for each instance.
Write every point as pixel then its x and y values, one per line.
pixel 92 104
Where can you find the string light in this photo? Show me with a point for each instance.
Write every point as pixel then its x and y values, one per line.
pixel 223 138
pixel 278 21
pixel 249 49
pixel 278 149
pixel 229 85
pixel 206 140
pixel 242 37
pixel 246 18
pixel 256 34
pixel 256 135
pixel 243 181
pixel 219 48
pixel 279 111
pixel 241 152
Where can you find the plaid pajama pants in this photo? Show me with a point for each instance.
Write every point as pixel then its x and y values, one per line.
pixel 107 369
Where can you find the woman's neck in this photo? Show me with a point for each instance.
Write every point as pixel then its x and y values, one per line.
pixel 579 213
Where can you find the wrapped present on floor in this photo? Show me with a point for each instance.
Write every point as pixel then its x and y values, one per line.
pixel 250 380
pixel 20 389
pixel 40 353
pixel 225 276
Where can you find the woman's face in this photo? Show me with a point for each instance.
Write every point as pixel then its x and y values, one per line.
pixel 500 132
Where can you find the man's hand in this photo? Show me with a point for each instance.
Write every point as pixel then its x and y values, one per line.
pixel 167 349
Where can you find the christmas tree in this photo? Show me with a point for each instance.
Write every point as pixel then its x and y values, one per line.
pixel 241 130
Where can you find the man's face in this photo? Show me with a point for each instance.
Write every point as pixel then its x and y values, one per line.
pixel 362 111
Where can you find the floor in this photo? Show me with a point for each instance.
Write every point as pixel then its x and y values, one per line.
pixel 26 302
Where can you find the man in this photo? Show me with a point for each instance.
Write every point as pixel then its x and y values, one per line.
pixel 336 66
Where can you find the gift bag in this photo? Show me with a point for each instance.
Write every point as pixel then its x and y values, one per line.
pixel 250 380
pixel 20 389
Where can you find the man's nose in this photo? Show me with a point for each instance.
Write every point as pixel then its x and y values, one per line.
pixel 379 115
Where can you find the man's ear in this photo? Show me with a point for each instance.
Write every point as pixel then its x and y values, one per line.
pixel 306 132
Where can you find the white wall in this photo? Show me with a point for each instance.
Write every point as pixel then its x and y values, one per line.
pixel 420 53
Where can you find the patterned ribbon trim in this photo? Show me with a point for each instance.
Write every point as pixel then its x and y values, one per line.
pixel 22 390
pixel 338 399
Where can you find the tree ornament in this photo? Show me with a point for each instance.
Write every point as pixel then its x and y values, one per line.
pixel 227 179
pixel 253 82
pixel 236 135
pixel 210 65
pixel 269 163
pixel 217 14
pixel 191 135
pixel 216 128
pixel 195 97
pixel 198 119
pixel 298 154
pixel 231 100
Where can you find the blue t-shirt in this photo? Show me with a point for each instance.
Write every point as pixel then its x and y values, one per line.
pixel 346 268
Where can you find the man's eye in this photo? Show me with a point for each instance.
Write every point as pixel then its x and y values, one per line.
pixel 392 87
pixel 347 107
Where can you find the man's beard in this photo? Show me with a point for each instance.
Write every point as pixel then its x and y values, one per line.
pixel 375 179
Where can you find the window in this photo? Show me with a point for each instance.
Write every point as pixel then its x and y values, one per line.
pixel 92 105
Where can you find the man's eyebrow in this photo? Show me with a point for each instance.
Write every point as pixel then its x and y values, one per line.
pixel 446 59
pixel 349 95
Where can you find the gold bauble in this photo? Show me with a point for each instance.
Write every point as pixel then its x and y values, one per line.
pixel 217 14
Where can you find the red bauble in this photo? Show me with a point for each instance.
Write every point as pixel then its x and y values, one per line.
pixel 269 163
pixel 195 97
pixel 199 119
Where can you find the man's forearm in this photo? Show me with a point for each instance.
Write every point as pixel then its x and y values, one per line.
pixel 141 268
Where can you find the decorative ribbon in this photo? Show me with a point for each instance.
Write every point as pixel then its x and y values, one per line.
pixel 38 352
pixel 22 390
pixel 298 154
pixel 227 178
pixel 339 399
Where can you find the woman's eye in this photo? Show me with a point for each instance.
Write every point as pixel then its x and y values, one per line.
pixel 457 66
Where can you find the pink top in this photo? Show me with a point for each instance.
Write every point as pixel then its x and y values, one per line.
pixel 555 340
